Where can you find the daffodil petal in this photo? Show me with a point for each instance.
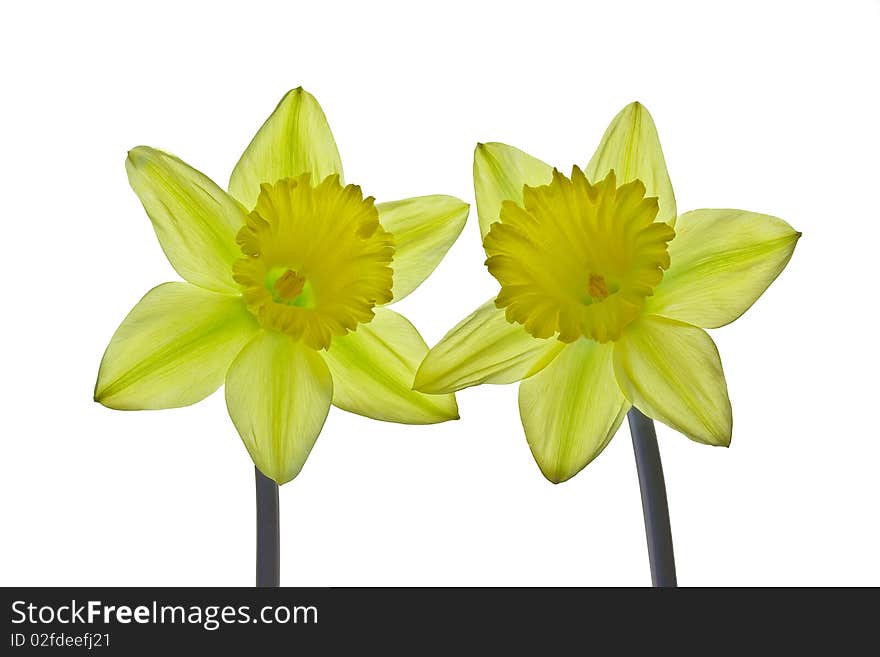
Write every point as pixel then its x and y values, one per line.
pixel 423 228
pixel 373 371
pixel 173 348
pixel 572 408
pixel 671 372
pixel 294 140
pixel 722 261
pixel 500 171
pixel 484 348
pixel 631 147
pixel 278 393
pixel 195 221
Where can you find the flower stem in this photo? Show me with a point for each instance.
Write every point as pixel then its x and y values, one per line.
pixel 268 532
pixel 654 505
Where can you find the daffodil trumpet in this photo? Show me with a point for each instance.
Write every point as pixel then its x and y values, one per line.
pixel 288 278
pixel 605 292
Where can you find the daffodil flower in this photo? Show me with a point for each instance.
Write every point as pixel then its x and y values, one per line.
pixel 288 278
pixel 605 292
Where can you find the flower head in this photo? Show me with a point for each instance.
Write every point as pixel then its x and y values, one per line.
pixel 577 260
pixel 288 275
pixel 604 296
pixel 307 277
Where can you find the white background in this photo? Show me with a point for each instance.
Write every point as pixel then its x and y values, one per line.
pixel 766 106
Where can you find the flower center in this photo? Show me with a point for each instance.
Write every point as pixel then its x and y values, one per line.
pixel 288 287
pixel 316 260
pixel 597 288
pixel 578 259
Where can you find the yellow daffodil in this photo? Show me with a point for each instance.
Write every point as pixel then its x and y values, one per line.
pixel 605 292
pixel 288 275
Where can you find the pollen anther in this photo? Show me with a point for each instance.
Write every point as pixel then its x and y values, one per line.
pixel 288 286
pixel 597 287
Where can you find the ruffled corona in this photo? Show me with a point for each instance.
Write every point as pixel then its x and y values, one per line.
pixel 578 259
pixel 316 260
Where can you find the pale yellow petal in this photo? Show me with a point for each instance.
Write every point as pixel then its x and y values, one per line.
pixel 278 393
pixel 373 371
pixel 631 147
pixel 484 348
pixel 500 171
pixel 722 261
pixel 294 140
pixel 572 408
pixel 671 372
pixel 173 348
pixel 195 221
pixel 423 228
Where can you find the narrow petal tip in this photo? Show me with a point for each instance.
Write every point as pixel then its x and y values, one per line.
pixel 441 417
pixel 428 384
pixel 99 394
pixel 555 477
pixel 421 382
pixel 141 151
pixel 300 93
pixel 133 155
pixel 107 402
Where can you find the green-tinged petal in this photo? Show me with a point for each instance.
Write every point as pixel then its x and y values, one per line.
pixel 294 140
pixel 173 348
pixel 373 370
pixel 484 348
pixel 722 261
pixel 278 393
pixel 196 221
pixel 424 228
pixel 500 171
pixel 631 147
pixel 572 409
pixel 671 372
